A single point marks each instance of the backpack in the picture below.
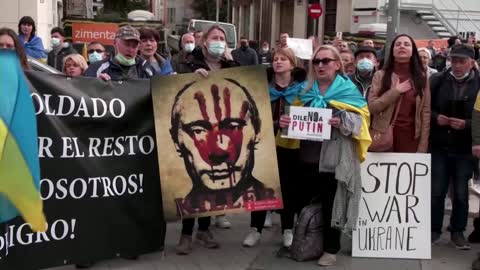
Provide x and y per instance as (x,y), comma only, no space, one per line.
(307,241)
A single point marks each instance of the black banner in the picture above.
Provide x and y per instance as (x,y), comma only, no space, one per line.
(99,175)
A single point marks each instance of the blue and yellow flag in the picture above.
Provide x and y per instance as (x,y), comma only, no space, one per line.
(343,95)
(19,164)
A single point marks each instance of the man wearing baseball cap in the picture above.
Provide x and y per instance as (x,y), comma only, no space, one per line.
(125,64)
(365,66)
(453,95)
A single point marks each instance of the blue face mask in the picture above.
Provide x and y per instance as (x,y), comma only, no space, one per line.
(95,57)
(216,48)
(365,65)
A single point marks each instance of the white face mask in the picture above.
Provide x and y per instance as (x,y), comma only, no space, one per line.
(265,49)
(462,77)
(216,48)
(189,47)
(55,42)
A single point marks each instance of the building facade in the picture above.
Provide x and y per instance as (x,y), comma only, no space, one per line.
(46,14)
(266,19)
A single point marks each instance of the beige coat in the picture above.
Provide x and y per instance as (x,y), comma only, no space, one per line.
(382,107)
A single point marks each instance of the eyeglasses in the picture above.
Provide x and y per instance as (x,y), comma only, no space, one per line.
(324,61)
(97,51)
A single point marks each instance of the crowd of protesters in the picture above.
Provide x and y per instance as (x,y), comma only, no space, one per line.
(425,95)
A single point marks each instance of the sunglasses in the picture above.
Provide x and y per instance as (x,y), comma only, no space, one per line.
(324,61)
(97,51)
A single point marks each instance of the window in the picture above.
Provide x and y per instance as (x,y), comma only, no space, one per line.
(171,15)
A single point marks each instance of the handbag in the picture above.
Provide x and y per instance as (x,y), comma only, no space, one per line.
(383,141)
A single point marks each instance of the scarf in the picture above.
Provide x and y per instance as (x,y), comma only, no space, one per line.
(343,95)
(34,47)
(341,90)
(288,94)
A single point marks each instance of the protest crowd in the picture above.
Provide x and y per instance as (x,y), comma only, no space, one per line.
(418,100)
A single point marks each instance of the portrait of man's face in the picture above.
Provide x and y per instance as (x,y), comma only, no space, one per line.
(215,128)
(215,143)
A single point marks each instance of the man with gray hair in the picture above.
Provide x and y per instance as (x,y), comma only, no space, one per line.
(125,64)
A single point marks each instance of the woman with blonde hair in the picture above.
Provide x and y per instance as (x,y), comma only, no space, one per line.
(331,168)
(74,65)
(285,82)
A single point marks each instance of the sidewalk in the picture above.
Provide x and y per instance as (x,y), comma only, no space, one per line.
(232,256)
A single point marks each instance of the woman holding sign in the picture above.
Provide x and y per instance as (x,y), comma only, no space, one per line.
(332,168)
(400,101)
(210,56)
(285,84)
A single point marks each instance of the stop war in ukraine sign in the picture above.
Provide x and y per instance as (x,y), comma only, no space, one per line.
(394,218)
(308,124)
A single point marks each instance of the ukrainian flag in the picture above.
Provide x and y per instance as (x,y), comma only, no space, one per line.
(19,164)
(343,95)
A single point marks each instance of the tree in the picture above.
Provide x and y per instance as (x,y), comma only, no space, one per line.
(118,9)
(207,9)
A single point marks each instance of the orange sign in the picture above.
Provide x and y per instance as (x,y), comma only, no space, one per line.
(88,32)
(439,43)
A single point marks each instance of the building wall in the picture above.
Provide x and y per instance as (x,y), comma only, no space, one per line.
(300,18)
(177,13)
(43,12)
(459,18)
(418,29)
(344,15)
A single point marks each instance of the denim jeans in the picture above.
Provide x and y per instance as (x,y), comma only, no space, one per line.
(459,169)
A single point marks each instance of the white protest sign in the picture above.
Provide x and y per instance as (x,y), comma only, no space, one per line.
(303,48)
(394,219)
(308,124)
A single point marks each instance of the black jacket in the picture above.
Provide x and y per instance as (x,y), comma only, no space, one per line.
(456,100)
(196,60)
(56,60)
(363,86)
(265,58)
(141,70)
(245,56)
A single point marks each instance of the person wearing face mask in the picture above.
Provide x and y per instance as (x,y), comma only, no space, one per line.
(454,93)
(60,49)
(187,45)
(125,64)
(265,55)
(96,52)
(209,56)
(366,65)
(245,55)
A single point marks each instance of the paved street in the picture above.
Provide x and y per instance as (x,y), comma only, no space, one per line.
(233,256)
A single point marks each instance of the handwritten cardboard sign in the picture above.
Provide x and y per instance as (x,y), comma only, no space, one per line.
(394,219)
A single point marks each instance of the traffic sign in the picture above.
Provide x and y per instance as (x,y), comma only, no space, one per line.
(315,11)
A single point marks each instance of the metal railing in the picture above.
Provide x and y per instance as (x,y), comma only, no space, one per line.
(459,12)
(434,10)
(444,14)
